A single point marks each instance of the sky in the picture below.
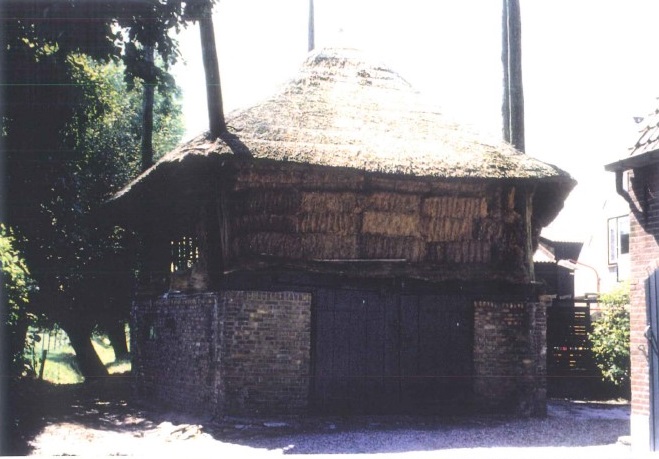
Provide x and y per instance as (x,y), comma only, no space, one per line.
(588,69)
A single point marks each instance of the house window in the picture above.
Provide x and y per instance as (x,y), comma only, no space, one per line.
(184,253)
(618,234)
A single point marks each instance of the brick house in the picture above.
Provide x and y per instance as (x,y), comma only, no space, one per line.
(637,181)
(345,248)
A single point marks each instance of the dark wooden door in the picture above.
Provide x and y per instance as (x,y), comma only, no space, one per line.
(652,335)
(390,353)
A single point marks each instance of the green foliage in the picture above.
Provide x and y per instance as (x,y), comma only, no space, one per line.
(71,129)
(15,275)
(83,264)
(90,261)
(16,285)
(610,337)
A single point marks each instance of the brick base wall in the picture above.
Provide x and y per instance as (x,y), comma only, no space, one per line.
(249,353)
(266,352)
(174,356)
(230,352)
(510,351)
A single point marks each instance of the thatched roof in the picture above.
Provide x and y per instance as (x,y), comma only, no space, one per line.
(344,110)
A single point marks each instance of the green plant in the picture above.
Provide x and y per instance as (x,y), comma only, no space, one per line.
(17,285)
(610,337)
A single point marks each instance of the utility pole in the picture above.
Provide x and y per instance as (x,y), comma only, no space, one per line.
(312,29)
(217,124)
(513,91)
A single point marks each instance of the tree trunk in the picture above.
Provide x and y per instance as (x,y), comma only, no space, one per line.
(89,363)
(147,112)
(513,92)
(117,334)
(217,125)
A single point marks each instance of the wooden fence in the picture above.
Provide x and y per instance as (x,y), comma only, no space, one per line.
(571,371)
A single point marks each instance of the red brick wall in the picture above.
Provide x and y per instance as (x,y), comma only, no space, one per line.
(644,254)
(230,352)
(173,353)
(510,351)
(266,352)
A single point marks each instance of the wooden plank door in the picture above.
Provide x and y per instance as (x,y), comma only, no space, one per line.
(390,353)
(436,352)
(652,334)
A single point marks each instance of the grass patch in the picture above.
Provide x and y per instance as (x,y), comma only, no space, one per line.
(61,366)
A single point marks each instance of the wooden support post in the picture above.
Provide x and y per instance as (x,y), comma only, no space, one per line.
(528,230)
(217,124)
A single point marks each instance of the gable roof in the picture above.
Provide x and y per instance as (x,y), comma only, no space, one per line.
(646,148)
(345,110)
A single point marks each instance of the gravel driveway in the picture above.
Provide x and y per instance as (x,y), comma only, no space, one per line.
(99,422)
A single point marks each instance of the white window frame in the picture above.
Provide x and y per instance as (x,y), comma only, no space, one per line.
(617,228)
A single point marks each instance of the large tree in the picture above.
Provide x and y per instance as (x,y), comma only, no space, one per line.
(60,158)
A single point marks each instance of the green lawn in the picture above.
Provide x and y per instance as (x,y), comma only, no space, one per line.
(60,366)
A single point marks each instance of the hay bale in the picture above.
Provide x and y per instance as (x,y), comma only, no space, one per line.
(391,224)
(453,206)
(327,178)
(447,229)
(328,222)
(381,247)
(328,246)
(270,202)
(392,202)
(320,201)
(297,247)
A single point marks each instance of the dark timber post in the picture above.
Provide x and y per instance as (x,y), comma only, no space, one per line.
(312,31)
(147,110)
(513,92)
(652,304)
(217,125)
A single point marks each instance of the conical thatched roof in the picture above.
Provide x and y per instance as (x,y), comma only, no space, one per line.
(346,111)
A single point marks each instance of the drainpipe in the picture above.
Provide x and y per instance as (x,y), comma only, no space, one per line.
(574,265)
(620,189)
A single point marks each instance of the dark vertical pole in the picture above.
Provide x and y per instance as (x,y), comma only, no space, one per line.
(513,92)
(217,124)
(505,105)
(312,30)
(652,304)
(147,111)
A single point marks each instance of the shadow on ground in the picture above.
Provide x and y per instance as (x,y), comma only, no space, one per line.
(108,405)
(104,404)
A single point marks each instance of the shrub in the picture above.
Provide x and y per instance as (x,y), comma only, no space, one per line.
(610,337)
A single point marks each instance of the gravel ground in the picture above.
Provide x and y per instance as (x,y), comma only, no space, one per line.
(84,423)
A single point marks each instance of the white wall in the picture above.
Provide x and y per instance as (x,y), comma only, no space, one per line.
(595,250)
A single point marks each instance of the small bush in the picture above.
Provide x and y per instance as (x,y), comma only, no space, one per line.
(610,337)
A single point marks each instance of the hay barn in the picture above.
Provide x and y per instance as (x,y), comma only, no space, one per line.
(344,248)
